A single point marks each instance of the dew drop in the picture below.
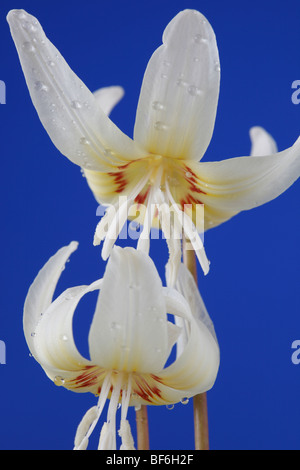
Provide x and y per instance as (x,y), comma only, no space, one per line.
(76,105)
(28,47)
(40,86)
(69,296)
(29,27)
(84,141)
(59,381)
(188,174)
(160,126)
(170,407)
(164,76)
(108,152)
(115,326)
(182,83)
(158,106)
(197,38)
(196,59)
(33,334)
(194,90)
(51,63)
(64,338)
(184,400)
(20,14)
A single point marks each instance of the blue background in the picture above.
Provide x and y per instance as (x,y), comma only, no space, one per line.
(252,290)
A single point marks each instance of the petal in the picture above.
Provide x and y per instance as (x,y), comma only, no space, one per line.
(108,97)
(129,331)
(238,184)
(195,370)
(41,292)
(68,110)
(179,96)
(188,288)
(53,336)
(48,328)
(262,142)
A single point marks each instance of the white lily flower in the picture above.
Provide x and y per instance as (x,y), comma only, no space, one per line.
(160,169)
(130,340)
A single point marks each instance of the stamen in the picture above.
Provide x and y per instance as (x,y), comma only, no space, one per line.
(172,233)
(100,232)
(190,231)
(82,445)
(144,239)
(126,436)
(108,439)
(84,426)
(120,218)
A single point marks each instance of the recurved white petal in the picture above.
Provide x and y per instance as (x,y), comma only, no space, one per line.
(187,286)
(108,97)
(53,340)
(41,292)
(196,369)
(129,331)
(66,107)
(179,95)
(262,143)
(243,183)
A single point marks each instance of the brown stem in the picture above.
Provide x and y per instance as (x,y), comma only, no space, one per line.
(199,401)
(141,417)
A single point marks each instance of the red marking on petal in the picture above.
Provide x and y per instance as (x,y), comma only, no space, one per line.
(196,189)
(141,198)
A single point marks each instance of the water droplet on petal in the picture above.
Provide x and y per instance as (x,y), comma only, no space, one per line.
(59,381)
(69,296)
(51,63)
(29,27)
(170,407)
(76,104)
(115,326)
(28,47)
(184,401)
(33,334)
(188,174)
(84,141)
(158,106)
(197,38)
(40,86)
(182,83)
(160,126)
(164,76)
(64,338)
(20,14)
(194,90)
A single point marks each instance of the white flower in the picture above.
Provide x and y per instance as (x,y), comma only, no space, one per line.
(160,169)
(130,340)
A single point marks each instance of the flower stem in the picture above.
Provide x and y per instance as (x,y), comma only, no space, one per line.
(141,417)
(199,401)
